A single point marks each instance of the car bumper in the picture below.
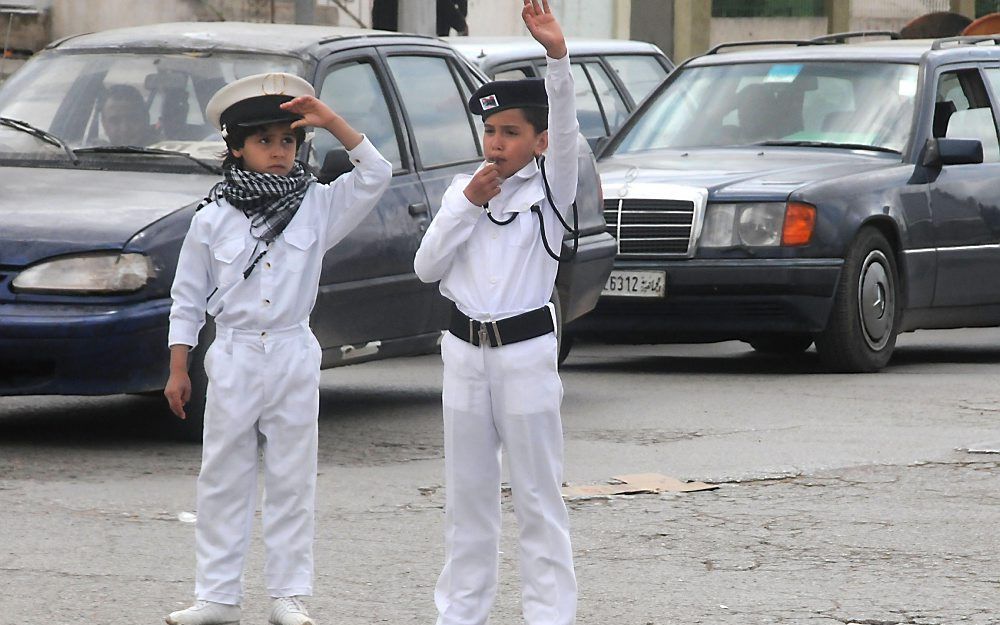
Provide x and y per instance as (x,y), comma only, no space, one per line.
(582,278)
(715,300)
(83,350)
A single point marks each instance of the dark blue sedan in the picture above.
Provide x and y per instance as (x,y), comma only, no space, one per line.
(105,152)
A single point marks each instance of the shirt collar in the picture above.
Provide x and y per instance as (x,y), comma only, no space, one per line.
(528,170)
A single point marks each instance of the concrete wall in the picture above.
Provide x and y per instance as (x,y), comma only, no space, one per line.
(742,28)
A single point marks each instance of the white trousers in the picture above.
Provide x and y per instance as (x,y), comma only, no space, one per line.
(263,399)
(504,398)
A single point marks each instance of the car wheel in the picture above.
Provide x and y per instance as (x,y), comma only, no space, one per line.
(191,428)
(861,333)
(564,341)
(781,343)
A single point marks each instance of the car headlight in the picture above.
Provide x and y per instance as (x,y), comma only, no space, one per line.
(92,273)
(763,224)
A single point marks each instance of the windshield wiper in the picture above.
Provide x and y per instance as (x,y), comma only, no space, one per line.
(135,149)
(38,133)
(830,144)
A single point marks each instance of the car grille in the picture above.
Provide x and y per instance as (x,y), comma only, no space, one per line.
(650,228)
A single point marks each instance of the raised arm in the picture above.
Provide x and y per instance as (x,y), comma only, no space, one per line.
(561,164)
(354,195)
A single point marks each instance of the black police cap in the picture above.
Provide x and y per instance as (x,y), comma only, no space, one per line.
(501,95)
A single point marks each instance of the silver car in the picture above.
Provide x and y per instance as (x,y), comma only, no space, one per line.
(613,76)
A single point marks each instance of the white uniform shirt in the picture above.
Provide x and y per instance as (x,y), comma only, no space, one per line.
(281,290)
(492,271)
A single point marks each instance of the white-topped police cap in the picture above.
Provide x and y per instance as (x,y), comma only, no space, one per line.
(255,100)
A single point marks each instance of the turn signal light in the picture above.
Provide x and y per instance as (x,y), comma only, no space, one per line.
(800,220)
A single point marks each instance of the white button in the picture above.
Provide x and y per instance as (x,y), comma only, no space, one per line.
(267,301)
(493,280)
(267,265)
(263,334)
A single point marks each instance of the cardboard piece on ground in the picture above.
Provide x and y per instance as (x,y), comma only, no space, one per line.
(634,484)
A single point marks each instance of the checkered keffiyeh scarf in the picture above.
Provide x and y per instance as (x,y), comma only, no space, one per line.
(269,200)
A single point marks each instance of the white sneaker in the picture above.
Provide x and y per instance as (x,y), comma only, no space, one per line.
(289,611)
(206,613)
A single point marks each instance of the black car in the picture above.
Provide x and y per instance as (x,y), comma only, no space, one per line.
(836,193)
(96,195)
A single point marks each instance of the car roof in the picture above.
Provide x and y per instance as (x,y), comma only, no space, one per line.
(496,50)
(290,39)
(889,50)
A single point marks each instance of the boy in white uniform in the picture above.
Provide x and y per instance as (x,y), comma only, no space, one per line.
(252,259)
(501,384)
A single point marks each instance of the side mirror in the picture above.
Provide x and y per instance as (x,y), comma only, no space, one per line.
(335,164)
(599,144)
(944,151)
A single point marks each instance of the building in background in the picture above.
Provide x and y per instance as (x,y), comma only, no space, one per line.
(681,28)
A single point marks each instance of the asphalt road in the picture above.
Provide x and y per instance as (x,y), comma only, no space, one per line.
(841,499)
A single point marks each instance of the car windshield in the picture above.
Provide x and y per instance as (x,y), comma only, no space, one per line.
(845,104)
(103,100)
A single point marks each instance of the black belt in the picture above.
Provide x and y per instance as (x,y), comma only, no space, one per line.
(529,325)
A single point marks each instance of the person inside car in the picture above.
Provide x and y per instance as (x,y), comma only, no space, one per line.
(125,119)
(490,247)
(252,259)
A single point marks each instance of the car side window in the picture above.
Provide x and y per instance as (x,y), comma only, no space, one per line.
(353,91)
(588,111)
(515,73)
(641,74)
(962,111)
(614,106)
(440,121)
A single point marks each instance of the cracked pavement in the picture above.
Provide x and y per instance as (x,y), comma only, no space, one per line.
(842,499)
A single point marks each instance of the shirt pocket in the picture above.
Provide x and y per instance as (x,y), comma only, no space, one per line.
(300,248)
(525,230)
(227,254)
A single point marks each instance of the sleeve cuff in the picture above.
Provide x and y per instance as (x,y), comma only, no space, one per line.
(562,63)
(461,206)
(182,333)
(364,152)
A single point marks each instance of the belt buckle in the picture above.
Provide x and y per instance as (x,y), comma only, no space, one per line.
(496,333)
(484,336)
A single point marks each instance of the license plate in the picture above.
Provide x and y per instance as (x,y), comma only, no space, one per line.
(636,284)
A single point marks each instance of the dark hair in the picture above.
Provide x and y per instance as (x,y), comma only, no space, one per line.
(238,135)
(537,116)
(125,93)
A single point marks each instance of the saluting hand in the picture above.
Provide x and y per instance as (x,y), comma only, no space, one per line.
(484,186)
(544,28)
(314,112)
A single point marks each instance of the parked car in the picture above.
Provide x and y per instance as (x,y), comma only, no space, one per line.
(612,75)
(815,192)
(95,196)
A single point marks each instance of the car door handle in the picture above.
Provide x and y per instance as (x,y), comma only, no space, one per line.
(420,208)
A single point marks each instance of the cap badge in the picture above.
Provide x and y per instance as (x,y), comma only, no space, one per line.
(489,102)
(273,84)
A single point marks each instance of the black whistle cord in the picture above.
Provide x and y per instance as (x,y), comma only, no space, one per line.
(541,222)
(575,230)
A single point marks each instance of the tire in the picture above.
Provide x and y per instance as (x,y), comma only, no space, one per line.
(564,341)
(781,343)
(191,429)
(861,333)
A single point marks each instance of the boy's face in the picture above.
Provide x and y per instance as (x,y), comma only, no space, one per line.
(270,150)
(510,141)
